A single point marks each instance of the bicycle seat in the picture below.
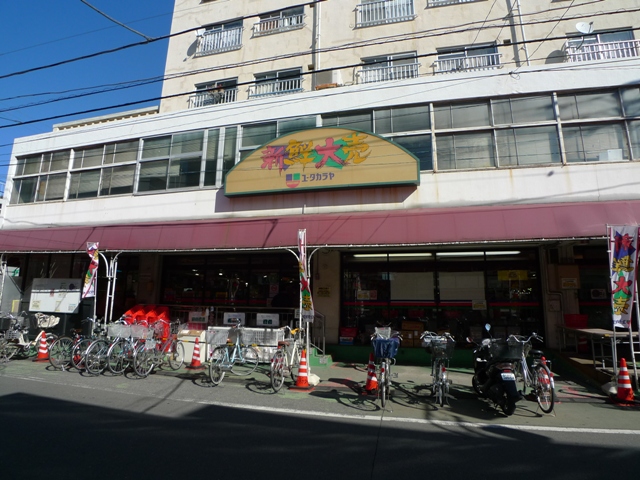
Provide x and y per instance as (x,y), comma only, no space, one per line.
(536,353)
(284,343)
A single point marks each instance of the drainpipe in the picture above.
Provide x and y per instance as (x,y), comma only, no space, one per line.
(524,38)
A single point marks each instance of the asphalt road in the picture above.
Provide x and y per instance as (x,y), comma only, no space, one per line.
(67,425)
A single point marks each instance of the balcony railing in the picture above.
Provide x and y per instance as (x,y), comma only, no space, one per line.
(275,87)
(217,41)
(388,73)
(478,62)
(206,98)
(437,3)
(384,11)
(277,25)
(601,51)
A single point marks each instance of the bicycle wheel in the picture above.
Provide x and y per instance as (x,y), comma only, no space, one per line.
(175,355)
(218,357)
(4,351)
(78,353)
(294,366)
(116,357)
(60,353)
(543,388)
(143,360)
(95,360)
(442,384)
(277,370)
(246,363)
(382,382)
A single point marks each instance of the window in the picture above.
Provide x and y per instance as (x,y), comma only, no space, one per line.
(84,184)
(253,136)
(463,115)
(589,105)
(465,150)
(380,12)
(419,146)
(280,21)
(220,38)
(388,67)
(402,119)
(353,120)
(481,57)
(223,91)
(602,46)
(182,167)
(51,187)
(118,180)
(508,111)
(528,146)
(595,142)
(277,83)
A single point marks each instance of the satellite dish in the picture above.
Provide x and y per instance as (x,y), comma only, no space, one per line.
(584,27)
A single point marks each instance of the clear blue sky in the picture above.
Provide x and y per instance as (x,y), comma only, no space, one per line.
(36,33)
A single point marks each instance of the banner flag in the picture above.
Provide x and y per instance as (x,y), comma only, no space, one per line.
(623,260)
(307,313)
(89,288)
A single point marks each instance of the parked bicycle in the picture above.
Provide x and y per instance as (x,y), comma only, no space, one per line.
(535,375)
(441,348)
(80,348)
(126,339)
(61,350)
(16,338)
(234,357)
(154,352)
(385,347)
(286,359)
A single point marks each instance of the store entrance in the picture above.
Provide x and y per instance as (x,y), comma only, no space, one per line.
(456,292)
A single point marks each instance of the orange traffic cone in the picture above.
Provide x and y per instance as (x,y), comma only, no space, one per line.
(625,392)
(43,350)
(372,381)
(195,359)
(302,381)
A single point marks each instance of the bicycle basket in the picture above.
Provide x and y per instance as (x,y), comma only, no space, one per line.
(507,350)
(385,347)
(383,332)
(442,346)
(12,334)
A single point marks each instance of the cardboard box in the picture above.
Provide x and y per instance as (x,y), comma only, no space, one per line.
(412,325)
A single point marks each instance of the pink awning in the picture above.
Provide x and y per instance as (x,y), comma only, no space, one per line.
(409,227)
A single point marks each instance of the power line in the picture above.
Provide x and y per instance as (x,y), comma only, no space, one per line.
(116,21)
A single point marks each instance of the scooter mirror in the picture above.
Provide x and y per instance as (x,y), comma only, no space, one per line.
(487,326)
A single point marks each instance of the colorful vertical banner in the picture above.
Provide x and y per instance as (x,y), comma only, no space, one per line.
(623,260)
(306,303)
(89,288)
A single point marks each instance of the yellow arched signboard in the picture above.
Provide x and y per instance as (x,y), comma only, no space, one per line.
(323,158)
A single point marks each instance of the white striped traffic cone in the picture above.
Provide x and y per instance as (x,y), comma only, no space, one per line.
(302,382)
(625,392)
(372,380)
(43,350)
(195,359)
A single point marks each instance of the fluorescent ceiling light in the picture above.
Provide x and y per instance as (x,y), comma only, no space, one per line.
(393,255)
(475,254)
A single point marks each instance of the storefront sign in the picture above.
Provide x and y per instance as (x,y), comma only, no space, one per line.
(323,158)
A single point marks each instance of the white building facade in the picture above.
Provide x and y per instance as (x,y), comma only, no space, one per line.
(522,120)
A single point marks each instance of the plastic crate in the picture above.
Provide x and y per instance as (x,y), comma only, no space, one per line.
(385,347)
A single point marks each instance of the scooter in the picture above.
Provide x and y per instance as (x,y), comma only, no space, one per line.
(494,365)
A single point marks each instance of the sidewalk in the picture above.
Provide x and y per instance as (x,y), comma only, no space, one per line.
(345,377)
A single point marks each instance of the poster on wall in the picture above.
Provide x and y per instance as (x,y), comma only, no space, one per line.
(56,295)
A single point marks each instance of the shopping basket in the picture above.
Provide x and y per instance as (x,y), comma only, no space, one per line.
(385,347)
(442,346)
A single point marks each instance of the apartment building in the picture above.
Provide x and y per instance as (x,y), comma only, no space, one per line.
(453,162)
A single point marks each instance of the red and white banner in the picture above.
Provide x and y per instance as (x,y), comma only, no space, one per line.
(623,261)
(307,313)
(89,288)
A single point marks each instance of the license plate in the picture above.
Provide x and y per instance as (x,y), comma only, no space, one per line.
(508,376)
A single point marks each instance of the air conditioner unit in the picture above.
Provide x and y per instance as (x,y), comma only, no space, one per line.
(611,155)
(326,78)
